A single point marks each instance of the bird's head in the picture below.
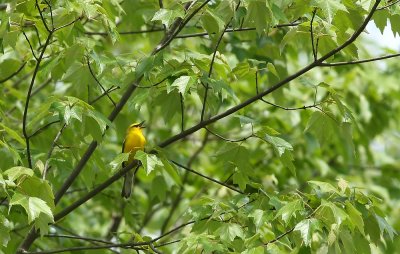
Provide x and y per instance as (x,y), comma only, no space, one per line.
(137,125)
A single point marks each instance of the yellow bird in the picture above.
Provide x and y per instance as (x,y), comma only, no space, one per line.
(134,141)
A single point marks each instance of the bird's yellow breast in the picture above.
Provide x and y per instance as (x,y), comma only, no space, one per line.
(134,141)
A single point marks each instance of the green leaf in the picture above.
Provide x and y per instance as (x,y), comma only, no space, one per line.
(229,231)
(329,213)
(256,250)
(280,145)
(361,244)
(171,170)
(5,227)
(169,104)
(145,65)
(13,134)
(10,38)
(355,217)
(322,127)
(101,120)
(36,187)
(211,22)
(241,179)
(183,83)
(118,160)
(272,69)
(348,241)
(384,226)
(15,173)
(159,188)
(241,69)
(244,120)
(329,7)
(323,186)
(381,18)
(306,229)
(287,160)
(149,161)
(259,14)
(289,210)
(257,216)
(168,16)
(33,206)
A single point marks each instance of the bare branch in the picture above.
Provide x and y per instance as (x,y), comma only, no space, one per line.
(207,177)
(274,87)
(203,109)
(388,5)
(41,16)
(68,24)
(44,127)
(128,32)
(30,45)
(98,82)
(182,112)
(108,91)
(28,97)
(314,49)
(53,145)
(359,61)
(234,30)
(178,198)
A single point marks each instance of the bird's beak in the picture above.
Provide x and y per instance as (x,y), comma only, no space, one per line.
(141,125)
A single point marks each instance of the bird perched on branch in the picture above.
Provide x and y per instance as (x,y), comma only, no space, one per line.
(134,141)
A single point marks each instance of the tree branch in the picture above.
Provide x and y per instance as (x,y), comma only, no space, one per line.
(233,30)
(359,61)
(98,82)
(28,97)
(13,74)
(207,177)
(212,64)
(53,145)
(281,83)
(314,49)
(178,198)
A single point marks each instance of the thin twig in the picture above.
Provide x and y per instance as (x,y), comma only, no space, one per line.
(207,177)
(314,49)
(42,18)
(28,97)
(227,139)
(178,198)
(53,145)
(127,32)
(388,5)
(109,90)
(44,127)
(68,24)
(203,109)
(51,14)
(154,249)
(359,61)
(37,90)
(77,237)
(14,73)
(281,83)
(176,28)
(98,82)
(233,30)
(182,112)
(30,45)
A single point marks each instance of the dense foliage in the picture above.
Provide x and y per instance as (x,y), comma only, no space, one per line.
(272,126)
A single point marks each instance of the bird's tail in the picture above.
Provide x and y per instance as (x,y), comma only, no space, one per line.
(129,180)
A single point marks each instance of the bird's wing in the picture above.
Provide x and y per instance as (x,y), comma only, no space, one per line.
(123,148)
